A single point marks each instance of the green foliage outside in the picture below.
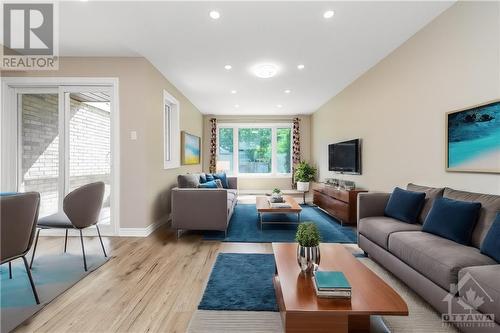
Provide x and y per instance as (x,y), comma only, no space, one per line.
(308,234)
(304,172)
(255,146)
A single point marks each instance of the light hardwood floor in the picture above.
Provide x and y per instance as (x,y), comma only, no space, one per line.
(151,284)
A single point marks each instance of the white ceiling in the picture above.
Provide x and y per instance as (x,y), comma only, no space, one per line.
(191,49)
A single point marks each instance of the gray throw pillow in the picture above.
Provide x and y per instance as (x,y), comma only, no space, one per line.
(188,181)
(219,183)
(431,193)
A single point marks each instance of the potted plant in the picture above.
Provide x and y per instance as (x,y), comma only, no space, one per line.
(276,195)
(308,253)
(304,174)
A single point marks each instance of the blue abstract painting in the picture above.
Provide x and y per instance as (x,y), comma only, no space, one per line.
(474,139)
(190,149)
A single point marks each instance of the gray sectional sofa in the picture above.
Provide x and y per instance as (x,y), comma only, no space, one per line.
(439,270)
(196,208)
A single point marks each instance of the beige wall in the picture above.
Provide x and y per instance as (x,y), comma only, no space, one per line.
(398,107)
(144,184)
(260,183)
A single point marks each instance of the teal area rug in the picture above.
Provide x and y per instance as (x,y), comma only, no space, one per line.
(245,227)
(241,282)
(53,274)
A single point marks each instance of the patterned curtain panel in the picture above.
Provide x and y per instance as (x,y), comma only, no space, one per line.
(295,147)
(213,145)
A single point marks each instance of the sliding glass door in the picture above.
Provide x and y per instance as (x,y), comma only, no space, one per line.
(64,141)
(39,146)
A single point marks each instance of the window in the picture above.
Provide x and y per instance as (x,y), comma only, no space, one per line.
(283,150)
(254,149)
(171,132)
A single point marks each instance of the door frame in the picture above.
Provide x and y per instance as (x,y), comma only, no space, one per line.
(9,129)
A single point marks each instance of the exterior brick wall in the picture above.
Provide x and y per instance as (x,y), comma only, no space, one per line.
(89,147)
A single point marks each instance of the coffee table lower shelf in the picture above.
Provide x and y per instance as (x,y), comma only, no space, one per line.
(318,322)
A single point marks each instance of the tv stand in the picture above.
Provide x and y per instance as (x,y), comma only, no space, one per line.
(339,203)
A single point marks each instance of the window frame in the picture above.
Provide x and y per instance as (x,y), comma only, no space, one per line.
(273,126)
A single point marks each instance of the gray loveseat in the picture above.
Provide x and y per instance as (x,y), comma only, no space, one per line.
(439,270)
(196,208)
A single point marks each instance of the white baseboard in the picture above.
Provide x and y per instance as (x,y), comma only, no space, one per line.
(142,232)
(123,232)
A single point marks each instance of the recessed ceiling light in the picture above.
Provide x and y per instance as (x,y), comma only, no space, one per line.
(214,14)
(228,67)
(288,91)
(236,105)
(328,14)
(233,92)
(265,71)
(279,106)
(301,66)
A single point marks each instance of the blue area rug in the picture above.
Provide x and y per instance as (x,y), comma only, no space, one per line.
(53,274)
(245,227)
(241,282)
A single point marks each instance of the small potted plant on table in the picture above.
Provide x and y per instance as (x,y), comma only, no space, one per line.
(277,195)
(308,253)
(304,174)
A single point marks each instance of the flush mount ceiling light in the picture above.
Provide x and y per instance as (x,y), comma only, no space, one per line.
(234,92)
(228,67)
(301,66)
(236,105)
(265,71)
(287,91)
(279,106)
(214,14)
(328,14)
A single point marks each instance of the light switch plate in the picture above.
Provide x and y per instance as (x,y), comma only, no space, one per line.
(133,135)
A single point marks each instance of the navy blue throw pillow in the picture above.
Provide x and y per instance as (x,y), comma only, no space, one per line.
(405,205)
(209,184)
(491,243)
(452,219)
(223,178)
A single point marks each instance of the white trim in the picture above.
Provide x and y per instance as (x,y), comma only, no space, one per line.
(8,165)
(142,232)
(174,134)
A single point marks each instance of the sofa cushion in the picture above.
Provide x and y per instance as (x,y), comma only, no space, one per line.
(438,259)
(491,243)
(404,205)
(223,178)
(232,195)
(210,184)
(188,181)
(490,205)
(485,284)
(431,193)
(452,219)
(378,228)
(203,177)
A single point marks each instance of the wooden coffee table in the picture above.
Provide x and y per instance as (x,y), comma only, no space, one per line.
(302,311)
(264,207)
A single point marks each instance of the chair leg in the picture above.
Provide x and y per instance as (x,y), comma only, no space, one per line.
(100,239)
(34,248)
(83,251)
(10,270)
(31,280)
(65,240)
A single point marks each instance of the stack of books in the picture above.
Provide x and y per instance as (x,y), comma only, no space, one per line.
(331,285)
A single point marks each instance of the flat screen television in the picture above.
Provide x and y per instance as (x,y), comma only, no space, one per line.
(345,157)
